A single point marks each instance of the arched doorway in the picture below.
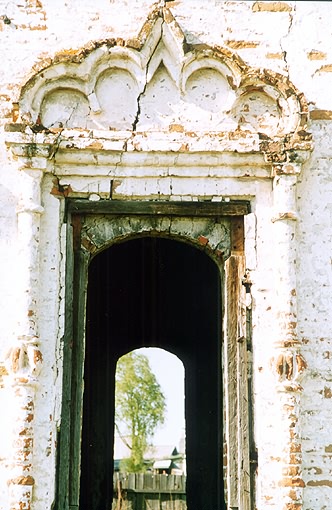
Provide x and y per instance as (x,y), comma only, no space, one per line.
(153,291)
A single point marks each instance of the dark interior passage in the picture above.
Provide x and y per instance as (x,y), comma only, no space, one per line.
(154,292)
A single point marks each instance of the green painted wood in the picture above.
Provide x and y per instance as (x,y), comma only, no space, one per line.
(62,497)
(70,432)
(231,208)
(81,261)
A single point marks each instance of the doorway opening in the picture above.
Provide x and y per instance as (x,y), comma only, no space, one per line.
(154,292)
(149,407)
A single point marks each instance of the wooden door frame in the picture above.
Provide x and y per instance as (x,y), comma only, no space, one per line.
(234,350)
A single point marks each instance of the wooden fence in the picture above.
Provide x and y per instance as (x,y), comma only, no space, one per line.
(136,491)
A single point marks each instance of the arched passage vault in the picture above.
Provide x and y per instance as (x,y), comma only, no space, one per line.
(156,127)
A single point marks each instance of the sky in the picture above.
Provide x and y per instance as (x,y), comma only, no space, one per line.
(169,372)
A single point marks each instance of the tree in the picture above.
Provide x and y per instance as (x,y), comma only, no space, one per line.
(139,405)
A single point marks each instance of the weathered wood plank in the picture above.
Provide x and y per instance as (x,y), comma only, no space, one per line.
(238,465)
(154,491)
(151,502)
(149,483)
(231,396)
(140,481)
(62,500)
(78,348)
(242,370)
(157,483)
(131,481)
(237,236)
(149,498)
(163,484)
(231,208)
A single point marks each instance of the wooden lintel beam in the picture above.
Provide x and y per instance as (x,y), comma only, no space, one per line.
(137,207)
(157,491)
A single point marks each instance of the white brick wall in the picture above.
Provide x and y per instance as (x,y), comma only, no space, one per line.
(294,39)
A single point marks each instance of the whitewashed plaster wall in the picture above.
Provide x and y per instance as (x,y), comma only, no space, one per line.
(293,38)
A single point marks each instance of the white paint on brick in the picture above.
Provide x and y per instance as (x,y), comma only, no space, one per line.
(29,42)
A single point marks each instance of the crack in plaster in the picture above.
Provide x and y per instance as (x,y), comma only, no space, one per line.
(290,26)
(118,163)
(57,141)
(139,97)
(64,125)
(141,94)
(60,315)
(55,147)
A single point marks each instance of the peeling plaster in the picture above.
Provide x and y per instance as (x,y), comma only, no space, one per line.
(188,164)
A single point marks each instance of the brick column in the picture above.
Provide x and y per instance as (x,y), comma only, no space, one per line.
(24,358)
(288,362)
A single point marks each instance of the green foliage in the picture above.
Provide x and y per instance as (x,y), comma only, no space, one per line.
(139,406)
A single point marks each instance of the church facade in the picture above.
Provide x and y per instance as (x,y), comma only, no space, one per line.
(166,181)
